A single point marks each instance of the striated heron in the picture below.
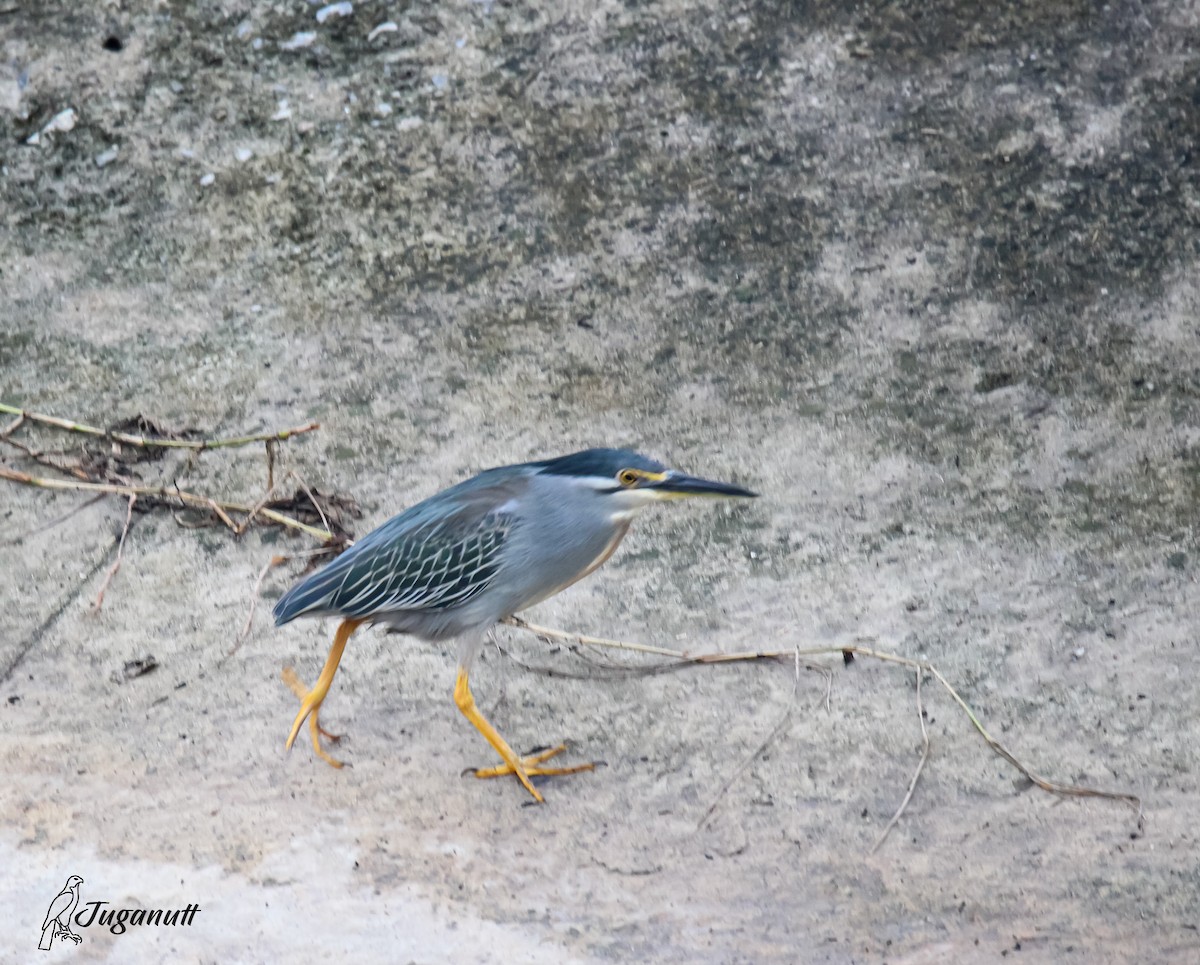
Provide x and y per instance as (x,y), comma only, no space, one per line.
(473,555)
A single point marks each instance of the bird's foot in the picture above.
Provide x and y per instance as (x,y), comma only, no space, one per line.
(310,707)
(531,766)
(62,932)
(522,767)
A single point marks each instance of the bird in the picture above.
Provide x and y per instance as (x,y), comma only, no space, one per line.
(473,555)
(58,917)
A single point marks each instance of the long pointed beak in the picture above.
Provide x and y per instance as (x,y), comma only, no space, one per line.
(678,485)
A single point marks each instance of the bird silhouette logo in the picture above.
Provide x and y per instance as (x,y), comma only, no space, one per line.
(58,917)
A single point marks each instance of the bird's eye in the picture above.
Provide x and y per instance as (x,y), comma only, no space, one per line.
(627,477)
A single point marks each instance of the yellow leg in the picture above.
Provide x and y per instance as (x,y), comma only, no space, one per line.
(521,767)
(297,687)
(310,701)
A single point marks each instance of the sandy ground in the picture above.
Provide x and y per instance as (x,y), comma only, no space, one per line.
(922,274)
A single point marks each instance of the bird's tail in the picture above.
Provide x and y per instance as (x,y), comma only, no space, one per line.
(47,937)
(312,593)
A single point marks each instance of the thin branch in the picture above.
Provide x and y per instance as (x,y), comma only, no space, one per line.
(1051,787)
(154,442)
(311,498)
(218,512)
(248,519)
(12,426)
(597,671)
(167,494)
(579,638)
(262,575)
(254,593)
(775,732)
(277,517)
(112,570)
(912,785)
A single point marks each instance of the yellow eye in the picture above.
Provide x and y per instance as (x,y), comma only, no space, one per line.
(627,477)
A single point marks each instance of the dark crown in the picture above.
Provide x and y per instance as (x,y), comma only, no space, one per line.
(596,462)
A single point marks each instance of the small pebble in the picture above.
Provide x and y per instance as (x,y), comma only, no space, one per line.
(63,121)
(409,123)
(207,179)
(282,110)
(105,158)
(386,27)
(243,154)
(299,40)
(342,9)
(1078,653)
(383,108)
(440,81)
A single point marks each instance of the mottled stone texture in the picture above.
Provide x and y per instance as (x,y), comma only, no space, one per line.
(924,274)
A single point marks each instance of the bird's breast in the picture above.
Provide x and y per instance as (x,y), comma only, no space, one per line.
(571,574)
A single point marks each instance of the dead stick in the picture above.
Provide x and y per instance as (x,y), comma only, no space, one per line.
(521,624)
(262,575)
(775,732)
(277,517)
(912,785)
(1052,787)
(12,427)
(248,519)
(219,513)
(112,570)
(165,493)
(152,442)
(311,498)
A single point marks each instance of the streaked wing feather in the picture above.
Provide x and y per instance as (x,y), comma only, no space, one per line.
(445,567)
(439,553)
(430,558)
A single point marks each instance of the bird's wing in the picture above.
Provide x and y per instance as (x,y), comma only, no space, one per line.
(439,565)
(61,903)
(429,558)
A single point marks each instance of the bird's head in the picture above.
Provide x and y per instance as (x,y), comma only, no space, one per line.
(632,481)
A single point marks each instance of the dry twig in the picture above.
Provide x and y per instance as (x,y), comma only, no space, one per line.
(912,785)
(12,426)
(1052,787)
(168,496)
(311,498)
(112,570)
(775,732)
(262,575)
(274,561)
(164,442)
